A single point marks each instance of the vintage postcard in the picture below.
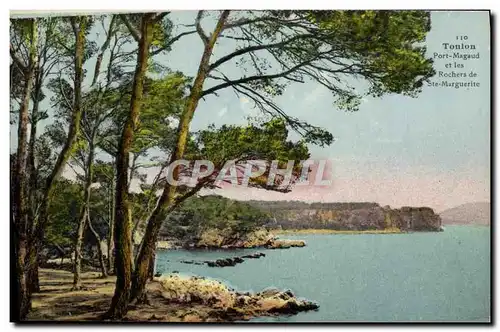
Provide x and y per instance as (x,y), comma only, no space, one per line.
(215,166)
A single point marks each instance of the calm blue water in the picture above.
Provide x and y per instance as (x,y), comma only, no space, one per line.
(368,277)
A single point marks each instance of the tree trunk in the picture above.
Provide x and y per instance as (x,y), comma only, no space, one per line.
(22,295)
(19,204)
(102,263)
(32,190)
(79,28)
(123,234)
(32,268)
(148,245)
(152,264)
(78,249)
(82,222)
(111,240)
(33,250)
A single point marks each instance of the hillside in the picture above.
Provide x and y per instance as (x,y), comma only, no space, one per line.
(467,214)
(355,216)
(216,221)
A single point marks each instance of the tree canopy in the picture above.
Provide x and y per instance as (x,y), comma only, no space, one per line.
(117,113)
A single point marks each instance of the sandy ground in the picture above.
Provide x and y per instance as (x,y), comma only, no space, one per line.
(56,300)
(172,298)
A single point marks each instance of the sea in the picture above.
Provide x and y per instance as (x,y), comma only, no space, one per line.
(410,277)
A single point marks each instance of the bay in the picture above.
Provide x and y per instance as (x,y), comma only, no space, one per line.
(438,277)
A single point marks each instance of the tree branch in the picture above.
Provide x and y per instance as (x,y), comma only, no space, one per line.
(199,29)
(133,31)
(255,78)
(172,41)
(255,48)
(103,49)
(18,61)
(69,104)
(160,16)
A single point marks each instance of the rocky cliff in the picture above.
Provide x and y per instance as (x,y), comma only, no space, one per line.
(349,216)
(228,239)
(300,215)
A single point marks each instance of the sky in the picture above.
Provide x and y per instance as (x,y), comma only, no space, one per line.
(433,150)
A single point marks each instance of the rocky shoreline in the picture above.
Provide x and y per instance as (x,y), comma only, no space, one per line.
(218,239)
(227,304)
(172,298)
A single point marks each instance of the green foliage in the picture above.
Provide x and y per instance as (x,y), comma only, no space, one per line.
(385,45)
(63,210)
(104,173)
(65,207)
(265,141)
(162,103)
(330,48)
(203,213)
(350,53)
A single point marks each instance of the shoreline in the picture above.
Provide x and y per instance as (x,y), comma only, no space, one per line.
(271,243)
(172,298)
(339,232)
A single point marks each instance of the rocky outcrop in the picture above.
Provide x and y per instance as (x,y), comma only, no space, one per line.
(166,245)
(257,255)
(349,216)
(415,219)
(227,239)
(285,244)
(260,238)
(223,262)
(227,304)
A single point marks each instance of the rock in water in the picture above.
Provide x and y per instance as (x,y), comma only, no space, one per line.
(285,244)
(257,255)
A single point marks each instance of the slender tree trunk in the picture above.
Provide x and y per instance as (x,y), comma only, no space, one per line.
(82,222)
(78,249)
(22,297)
(151,272)
(33,251)
(148,210)
(79,28)
(32,268)
(20,201)
(111,240)
(123,234)
(102,263)
(148,245)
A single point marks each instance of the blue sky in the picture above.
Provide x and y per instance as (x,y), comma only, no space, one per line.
(431,150)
